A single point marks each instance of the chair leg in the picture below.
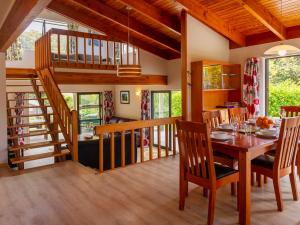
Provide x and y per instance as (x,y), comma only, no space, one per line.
(182,193)
(252,179)
(211,206)
(298,162)
(294,186)
(277,193)
(233,189)
(205,192)
(186,189)
(265,179)
(259,179)
(238,197)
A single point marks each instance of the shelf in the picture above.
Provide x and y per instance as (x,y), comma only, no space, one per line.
(220,89)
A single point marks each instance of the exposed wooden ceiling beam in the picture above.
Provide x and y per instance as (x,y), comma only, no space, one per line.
(94,78)
(264,16)
(155,14)
(93,20)
(268,37)
(197,10)
(20,16)
(134,25)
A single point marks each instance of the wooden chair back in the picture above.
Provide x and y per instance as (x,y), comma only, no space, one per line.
(288,143)
(290,111)
(212,119)
(196,155)
(241,114)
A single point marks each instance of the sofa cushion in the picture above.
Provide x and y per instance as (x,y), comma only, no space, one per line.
(265,161)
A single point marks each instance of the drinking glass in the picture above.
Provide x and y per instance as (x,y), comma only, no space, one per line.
(234,125)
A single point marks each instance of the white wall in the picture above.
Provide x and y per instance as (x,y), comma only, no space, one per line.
(3,118)
(240,55)
(203,43)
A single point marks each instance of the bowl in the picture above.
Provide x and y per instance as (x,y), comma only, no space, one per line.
(268,132)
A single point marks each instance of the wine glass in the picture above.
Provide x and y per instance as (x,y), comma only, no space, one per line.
(282,113)
(234,124)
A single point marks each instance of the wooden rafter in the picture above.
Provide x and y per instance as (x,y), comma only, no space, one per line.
(155,14)
(135,26)
(265,17)
(20,16)
(93,20)
(200,12)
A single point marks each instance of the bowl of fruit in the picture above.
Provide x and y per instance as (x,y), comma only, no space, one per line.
(264,122)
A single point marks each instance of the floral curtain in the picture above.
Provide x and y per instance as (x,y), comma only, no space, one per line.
(109,109)
(19,111)
(145,113)
(251,86)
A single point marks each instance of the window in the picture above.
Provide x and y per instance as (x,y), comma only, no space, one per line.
(164,104)
(70,99)
(282,83)
(89,111)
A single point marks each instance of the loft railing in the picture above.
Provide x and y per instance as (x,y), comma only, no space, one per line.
(67,120)
(64,48)
(164,128)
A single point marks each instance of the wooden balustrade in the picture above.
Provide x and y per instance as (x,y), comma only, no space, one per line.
(138,128)
(64,48)
(67,119)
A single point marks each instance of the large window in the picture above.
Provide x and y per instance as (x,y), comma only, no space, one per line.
(89,111)
(282,83)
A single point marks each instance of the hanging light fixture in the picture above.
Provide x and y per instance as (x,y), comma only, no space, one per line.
(282,49)
(128,70)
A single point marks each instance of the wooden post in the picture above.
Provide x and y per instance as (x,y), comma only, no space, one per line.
(68,49)
(76,49)
(112,150)
(93,57)
(142,144)
(174,138)
(132,147)
(123,148)
(101,152)
(167,139)
(184,98)
(150,143)
(84,48)
(75,135)
(58,47)
(158,142)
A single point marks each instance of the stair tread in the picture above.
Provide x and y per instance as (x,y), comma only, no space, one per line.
(29,115)
(31,134)
(39,156)
(28,124)
(29,107)
(36,145)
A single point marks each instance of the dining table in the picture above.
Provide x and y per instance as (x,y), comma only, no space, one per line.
(244,147)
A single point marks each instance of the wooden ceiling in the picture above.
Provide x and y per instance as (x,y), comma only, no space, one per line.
(155,24)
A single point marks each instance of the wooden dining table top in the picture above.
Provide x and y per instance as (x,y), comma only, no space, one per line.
(243,142)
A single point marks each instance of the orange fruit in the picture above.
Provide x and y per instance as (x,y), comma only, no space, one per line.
(270,121)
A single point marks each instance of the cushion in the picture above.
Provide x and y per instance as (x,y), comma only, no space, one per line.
(265,161)
(221,171)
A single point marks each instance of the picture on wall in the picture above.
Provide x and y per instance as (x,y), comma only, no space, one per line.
(124,97)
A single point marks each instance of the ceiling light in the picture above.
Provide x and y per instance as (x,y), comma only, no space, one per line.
(282,50)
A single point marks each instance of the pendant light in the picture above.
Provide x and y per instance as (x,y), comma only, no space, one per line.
(282,49)
(128,70)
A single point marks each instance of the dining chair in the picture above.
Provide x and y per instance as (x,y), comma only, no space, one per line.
(197,164)
(283,163)
(291,111)
(213,120)
(240,113)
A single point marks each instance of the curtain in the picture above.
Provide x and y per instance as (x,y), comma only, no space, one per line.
(109,109)
(145,114)
(19,111)
(251,86)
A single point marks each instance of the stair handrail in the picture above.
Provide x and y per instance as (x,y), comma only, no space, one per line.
(67,119)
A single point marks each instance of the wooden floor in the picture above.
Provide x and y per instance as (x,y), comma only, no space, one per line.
(68,193)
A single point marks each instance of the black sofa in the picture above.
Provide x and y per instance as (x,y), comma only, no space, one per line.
(88,151)
(116,119)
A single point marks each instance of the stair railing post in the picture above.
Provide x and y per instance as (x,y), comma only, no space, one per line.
(74,135)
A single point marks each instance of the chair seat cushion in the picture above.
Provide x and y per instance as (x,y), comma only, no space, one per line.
(221,171)
(265,161)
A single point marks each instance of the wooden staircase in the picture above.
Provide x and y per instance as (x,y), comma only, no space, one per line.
(33,126)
